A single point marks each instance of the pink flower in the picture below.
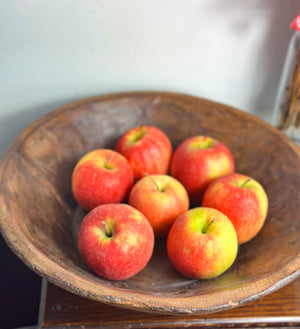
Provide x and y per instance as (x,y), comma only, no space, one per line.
(296,23)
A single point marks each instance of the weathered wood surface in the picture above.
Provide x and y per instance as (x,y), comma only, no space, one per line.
(37,208)
(63,309)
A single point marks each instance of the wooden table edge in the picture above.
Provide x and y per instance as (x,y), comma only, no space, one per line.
(173,322)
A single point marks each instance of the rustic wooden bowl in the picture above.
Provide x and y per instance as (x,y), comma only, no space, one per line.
(39,216)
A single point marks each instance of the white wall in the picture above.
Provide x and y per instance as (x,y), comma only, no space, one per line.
(56,51)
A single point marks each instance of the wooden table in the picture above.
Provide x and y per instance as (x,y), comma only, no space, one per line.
(61,309)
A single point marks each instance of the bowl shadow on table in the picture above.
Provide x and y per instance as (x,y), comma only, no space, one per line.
(20,291)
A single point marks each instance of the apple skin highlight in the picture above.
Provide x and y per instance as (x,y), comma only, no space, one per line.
(243,200)
(202,243)
(121,254)
(147,149)
(101,176)
(197,161)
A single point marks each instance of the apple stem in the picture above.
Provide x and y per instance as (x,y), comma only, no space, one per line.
(246,181)
(141,132)
(206,228)
(108,161)
(153,181)
(142,128)
(108,230)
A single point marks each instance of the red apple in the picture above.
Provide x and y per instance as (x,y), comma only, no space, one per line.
(101,176)
(161,198)
(116,241)
(202,243)
(148,150)
(242,199)
(199,160)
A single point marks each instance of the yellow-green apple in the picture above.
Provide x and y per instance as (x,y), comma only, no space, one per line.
(242,199)
(101,176)
(161,198)
(202,243)
(197,161)
(116,241)
(148,150)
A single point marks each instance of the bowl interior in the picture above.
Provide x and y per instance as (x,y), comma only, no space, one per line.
(39,217)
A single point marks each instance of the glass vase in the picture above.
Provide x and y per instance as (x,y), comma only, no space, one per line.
(286,113)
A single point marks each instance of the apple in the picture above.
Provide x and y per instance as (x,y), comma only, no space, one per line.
(199,160)
(116,241)
(101,176)
(202,243)
(148,150)
(161,198)
(242,199)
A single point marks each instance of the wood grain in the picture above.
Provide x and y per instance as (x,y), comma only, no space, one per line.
(63,309)
(37,209)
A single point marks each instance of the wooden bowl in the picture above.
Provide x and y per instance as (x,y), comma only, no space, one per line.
(39,216)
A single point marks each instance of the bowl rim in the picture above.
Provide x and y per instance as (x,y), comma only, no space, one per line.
(47,268)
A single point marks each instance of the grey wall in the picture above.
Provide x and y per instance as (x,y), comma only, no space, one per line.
(53,52)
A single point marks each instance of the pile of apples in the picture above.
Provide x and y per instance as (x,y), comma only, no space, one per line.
(143,190)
